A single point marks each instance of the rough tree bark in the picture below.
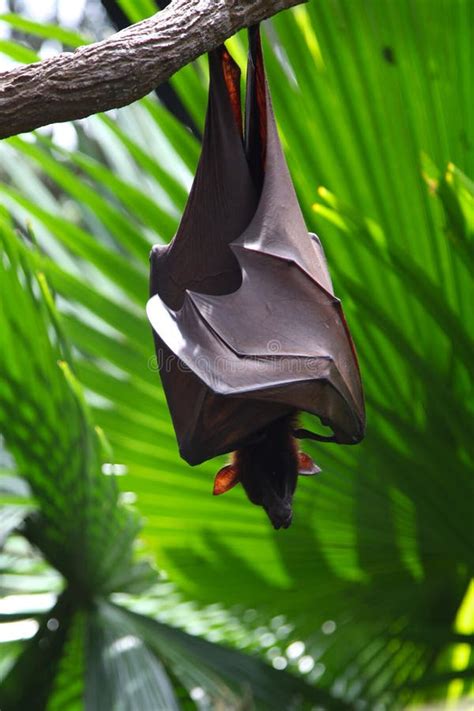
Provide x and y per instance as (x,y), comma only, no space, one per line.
(165,91)
(124,67)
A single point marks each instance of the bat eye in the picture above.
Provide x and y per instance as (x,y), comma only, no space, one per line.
(306,466)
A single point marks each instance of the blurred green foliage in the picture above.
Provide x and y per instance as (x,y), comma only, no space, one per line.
(369,594)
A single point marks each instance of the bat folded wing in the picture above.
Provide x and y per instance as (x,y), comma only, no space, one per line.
(279,338)
(247,328)
(203,351)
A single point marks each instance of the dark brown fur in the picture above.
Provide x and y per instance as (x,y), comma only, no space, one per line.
(268,470)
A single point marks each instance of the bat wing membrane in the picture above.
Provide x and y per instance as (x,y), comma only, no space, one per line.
(255,331)
(298,341)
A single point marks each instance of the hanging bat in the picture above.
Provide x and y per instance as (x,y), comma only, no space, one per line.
(247,329)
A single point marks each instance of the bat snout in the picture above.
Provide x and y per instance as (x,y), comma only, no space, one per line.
(279,512)
(281,521)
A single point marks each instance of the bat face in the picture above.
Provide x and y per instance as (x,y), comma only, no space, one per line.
(268,471)
(268,468)
(247,328)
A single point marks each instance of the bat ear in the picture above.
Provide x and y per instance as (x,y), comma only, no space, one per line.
(226,478)
(306,466)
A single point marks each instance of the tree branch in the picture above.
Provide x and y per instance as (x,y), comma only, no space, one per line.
(124,67)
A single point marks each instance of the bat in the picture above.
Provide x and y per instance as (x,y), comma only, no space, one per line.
(247,330)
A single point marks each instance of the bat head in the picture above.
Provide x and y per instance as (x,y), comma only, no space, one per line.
(268,469)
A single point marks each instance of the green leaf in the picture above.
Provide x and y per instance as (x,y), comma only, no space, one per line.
(43,29)
(18,52)
(456,193)
(137,10)
(62,468)
(224,676)
(121,671)
(39,662)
